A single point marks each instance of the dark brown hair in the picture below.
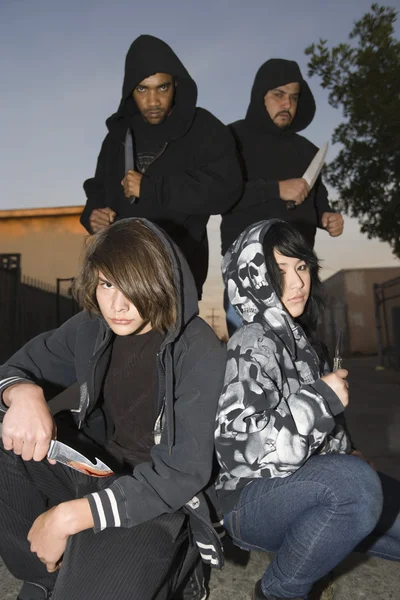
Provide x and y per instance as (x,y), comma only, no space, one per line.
(134,259)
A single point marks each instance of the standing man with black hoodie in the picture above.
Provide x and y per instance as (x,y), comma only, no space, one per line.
(274,157)
(185,167)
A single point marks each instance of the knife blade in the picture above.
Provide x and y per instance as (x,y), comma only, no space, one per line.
(75,460)
(129,158)
(313,170)
(337,360)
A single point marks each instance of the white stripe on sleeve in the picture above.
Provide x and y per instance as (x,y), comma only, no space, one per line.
(114,507)
(100,510)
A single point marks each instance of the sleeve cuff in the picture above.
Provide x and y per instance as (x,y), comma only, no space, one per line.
(105,510)
(332,400)
(6,383)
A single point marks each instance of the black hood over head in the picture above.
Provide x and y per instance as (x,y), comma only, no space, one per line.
(272,74)
(149,55)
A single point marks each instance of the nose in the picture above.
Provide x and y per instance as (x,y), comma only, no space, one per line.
(296,282)
(287,102)
(153,98)
(119,303)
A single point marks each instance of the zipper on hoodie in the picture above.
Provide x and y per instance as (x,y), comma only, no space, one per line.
(158,428)
(91,376)
(161,383)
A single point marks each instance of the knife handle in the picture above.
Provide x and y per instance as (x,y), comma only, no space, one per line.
(337,363)
(290,205)
(50,450)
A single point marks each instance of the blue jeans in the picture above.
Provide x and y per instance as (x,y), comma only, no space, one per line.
(314,518)
(233,320)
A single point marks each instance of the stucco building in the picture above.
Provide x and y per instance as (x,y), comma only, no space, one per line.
(350,308)
(48,239)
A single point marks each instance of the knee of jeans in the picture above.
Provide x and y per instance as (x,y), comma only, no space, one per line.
(363,494)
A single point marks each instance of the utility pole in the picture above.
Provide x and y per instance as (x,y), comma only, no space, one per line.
(213,318)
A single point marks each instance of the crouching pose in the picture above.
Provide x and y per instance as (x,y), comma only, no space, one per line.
(290,482)
(149,373)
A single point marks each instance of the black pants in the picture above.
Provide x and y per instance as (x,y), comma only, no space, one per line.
(146,562)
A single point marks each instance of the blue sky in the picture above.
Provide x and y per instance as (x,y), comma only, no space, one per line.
(61,74)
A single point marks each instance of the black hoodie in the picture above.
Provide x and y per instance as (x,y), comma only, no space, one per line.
(270,154)
(196,174)
(190,364)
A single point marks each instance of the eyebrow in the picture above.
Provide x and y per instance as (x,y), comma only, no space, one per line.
(104,280)
(165,84)
(285,264)
(283,92)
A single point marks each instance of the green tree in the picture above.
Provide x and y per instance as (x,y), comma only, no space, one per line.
(363,78)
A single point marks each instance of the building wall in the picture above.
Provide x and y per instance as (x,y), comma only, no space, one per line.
(354,288)
(334,316)
(360,302)
(49,240)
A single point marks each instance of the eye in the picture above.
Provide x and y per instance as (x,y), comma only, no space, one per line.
(302,267)
(140,89)
(106,285)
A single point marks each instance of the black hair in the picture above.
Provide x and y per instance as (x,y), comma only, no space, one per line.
(288,241)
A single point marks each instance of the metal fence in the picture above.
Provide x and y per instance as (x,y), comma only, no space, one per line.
(27,307)
(387,318)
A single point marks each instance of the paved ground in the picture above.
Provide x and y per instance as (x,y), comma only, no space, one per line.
(374,420)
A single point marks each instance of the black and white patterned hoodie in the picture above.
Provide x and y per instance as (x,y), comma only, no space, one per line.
(275,411)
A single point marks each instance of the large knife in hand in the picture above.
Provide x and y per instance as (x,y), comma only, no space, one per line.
(312,172)
(75,460)
(129,158)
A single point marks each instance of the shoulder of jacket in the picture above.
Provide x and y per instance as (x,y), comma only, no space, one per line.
(238,126)
(200,337)
(84,323)
(204,118)
(300,139)
(205,115)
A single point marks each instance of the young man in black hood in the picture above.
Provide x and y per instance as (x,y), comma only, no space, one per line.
(133,366)
(185,167)
(274,157)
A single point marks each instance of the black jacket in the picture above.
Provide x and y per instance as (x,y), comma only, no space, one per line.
(270,154)
(191,364)
(197,173)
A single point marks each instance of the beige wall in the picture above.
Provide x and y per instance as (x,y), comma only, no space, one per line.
(361,310)
(49,244)
(334,287)
(354,288)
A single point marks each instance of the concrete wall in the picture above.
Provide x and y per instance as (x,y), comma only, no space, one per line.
(334,317)
(354,287)
(361,310)
(49,240)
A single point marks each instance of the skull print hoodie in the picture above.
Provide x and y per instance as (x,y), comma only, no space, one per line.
(275,411)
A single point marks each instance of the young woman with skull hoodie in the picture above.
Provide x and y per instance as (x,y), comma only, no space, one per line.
(289,483)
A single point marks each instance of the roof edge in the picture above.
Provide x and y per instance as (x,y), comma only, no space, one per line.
(50,211)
